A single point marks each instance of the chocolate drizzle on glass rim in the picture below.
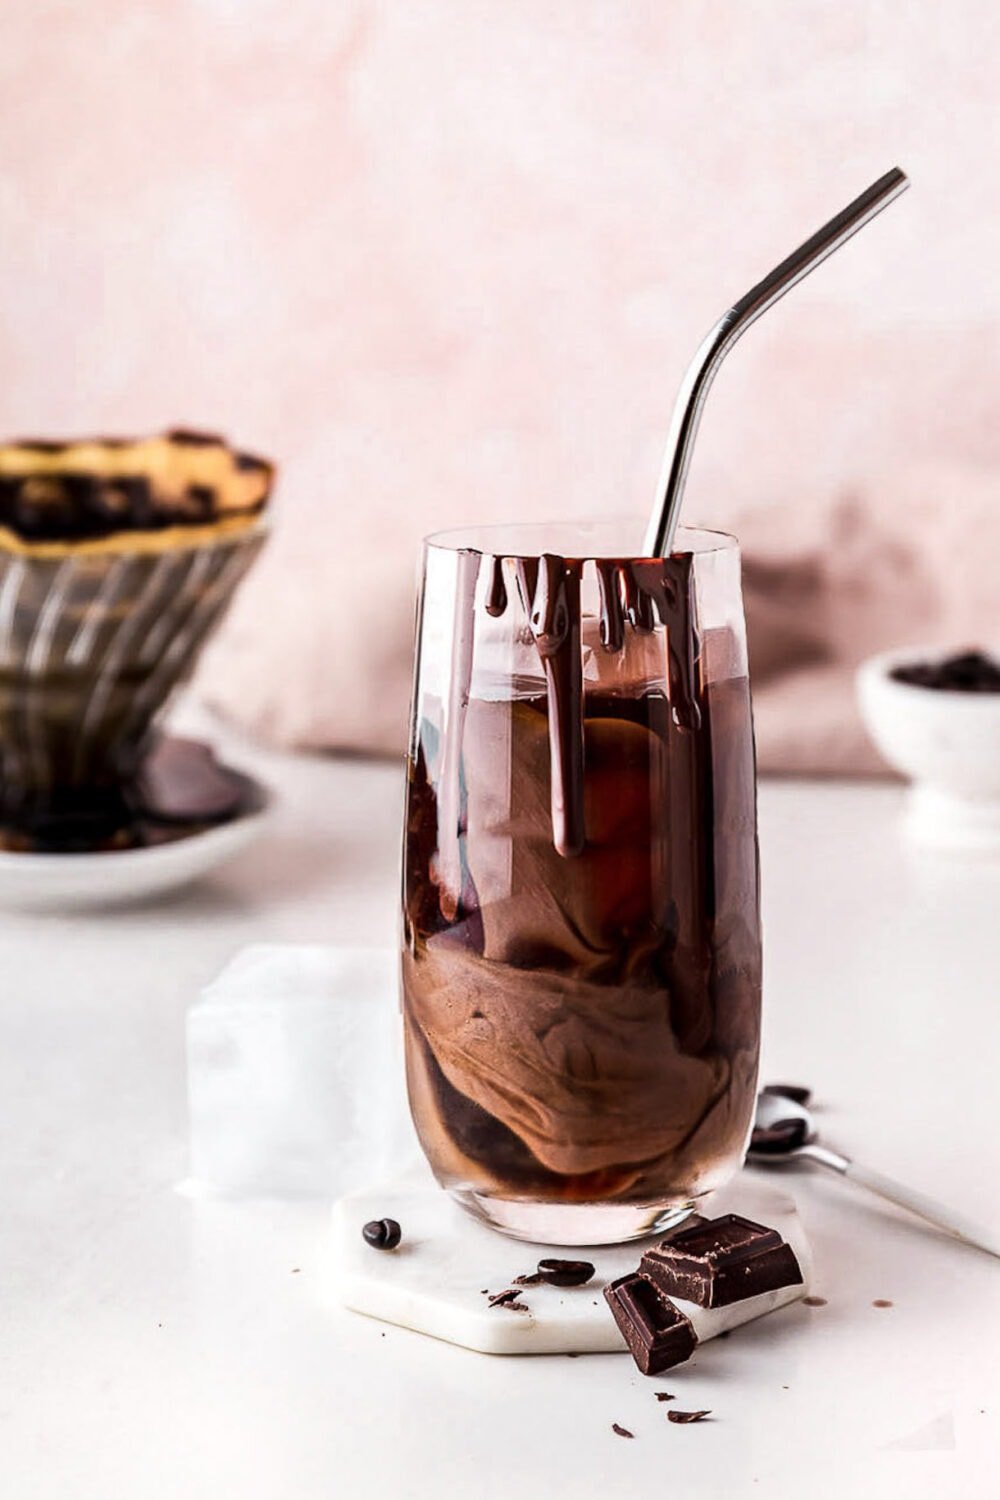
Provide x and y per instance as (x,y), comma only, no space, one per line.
(635,594)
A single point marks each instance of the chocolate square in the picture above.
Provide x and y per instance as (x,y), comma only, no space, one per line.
(657,1332)
(719,1261)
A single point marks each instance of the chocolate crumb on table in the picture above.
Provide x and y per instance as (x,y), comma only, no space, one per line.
(665,1395)
(881,1302)
(621,1431)
(687,1416)
(508,1299)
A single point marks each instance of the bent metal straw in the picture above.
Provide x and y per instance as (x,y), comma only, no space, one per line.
(713,350)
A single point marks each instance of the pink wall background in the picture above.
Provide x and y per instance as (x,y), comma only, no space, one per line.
(450,259)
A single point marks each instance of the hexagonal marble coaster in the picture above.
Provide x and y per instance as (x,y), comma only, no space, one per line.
(438,1280)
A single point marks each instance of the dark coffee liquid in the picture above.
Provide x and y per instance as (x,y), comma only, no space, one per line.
(582,1014)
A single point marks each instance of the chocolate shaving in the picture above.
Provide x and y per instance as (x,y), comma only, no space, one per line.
(621,1431)
(531,1279)
(687,1416)
(665,1396)
(508,1299)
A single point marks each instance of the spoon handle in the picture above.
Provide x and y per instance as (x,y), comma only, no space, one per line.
(929,1209)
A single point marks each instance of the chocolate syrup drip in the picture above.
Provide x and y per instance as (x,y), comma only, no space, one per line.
(637,592)
(612,613)
(555,625)
(668,586)
(496,590)
(526,572)
(638,605)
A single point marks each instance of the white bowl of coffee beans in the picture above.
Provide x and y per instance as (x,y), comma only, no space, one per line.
(935,717)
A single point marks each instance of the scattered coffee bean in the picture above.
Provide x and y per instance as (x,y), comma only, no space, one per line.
(797,1092)
(621,1431)
(382,1234)
(565,1272)
(687,1416)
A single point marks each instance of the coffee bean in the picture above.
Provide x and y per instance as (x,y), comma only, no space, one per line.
(565,1272)
(382,1234)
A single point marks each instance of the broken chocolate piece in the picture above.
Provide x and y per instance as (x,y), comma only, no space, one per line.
(565,1272)
(621,1431)
(657,1332)
(721,1261)
(664,1395)
(687,1416)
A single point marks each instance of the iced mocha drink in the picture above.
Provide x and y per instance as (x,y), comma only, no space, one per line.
(581,968)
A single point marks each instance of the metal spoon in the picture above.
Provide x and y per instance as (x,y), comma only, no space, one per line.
(784,1133)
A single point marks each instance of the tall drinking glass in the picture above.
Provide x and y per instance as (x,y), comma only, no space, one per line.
(581,967)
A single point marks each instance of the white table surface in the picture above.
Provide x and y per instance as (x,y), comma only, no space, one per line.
(154,1347)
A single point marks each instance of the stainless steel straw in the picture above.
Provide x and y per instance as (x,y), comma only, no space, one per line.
(713,350)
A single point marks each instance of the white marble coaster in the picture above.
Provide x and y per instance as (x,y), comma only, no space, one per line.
(436,1281)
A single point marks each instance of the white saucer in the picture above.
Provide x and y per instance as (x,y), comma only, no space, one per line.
(78,882)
